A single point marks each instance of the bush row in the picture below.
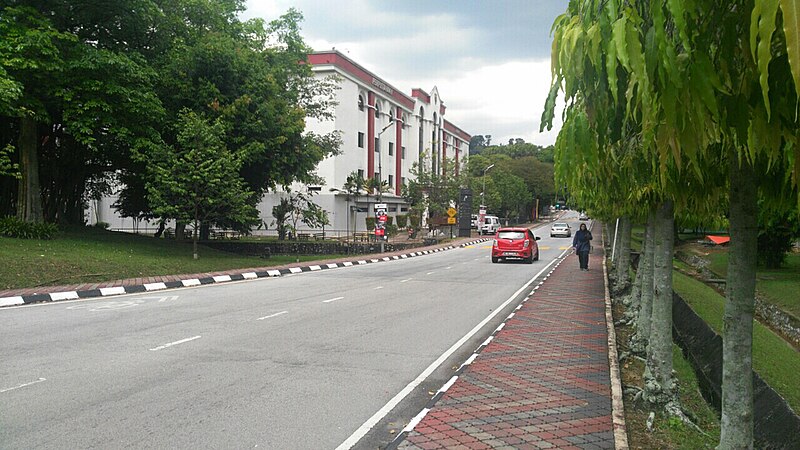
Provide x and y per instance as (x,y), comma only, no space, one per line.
(15,228)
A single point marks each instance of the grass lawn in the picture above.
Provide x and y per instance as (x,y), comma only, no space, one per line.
(94,255)
(779,286)
(773,358)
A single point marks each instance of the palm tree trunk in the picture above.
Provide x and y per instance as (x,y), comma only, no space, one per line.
(29,196)
(659,387)
(639,340)
(737,341)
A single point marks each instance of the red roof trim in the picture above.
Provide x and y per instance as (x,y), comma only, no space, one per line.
(349,66)
(420,94)
(455,131)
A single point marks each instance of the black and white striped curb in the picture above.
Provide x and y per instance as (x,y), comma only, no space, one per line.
(440,393)
(134,289)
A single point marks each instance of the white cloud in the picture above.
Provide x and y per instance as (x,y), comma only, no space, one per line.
(419,48)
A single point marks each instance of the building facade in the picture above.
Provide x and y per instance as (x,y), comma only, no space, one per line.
(384,133)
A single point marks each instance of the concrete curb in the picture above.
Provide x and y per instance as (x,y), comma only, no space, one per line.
(617,404)
(149,287)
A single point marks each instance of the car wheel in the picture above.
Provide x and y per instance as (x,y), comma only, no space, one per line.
(495,259)
(536,258)
(529,260)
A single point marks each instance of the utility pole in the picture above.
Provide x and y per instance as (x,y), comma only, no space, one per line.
(380,175)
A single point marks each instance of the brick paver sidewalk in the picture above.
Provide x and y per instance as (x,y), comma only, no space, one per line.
(541,382)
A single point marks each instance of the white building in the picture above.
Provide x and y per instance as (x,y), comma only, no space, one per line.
(373,145)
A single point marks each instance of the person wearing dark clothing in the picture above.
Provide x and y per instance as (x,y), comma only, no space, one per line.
(582,246)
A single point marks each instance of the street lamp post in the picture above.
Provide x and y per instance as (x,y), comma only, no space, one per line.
(483,191)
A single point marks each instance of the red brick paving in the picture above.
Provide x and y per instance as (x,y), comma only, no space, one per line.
(542,382)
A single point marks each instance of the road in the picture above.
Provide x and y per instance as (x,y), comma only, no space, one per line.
(301,361)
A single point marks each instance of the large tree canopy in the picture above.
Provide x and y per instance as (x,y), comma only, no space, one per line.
(85,84)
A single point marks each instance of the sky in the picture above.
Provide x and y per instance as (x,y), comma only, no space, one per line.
(490,59)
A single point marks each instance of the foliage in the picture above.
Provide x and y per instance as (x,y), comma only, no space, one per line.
(776,235)
(197,180)
(433,192)
(7,168)
(370,222)
(16,228)
(298,206)
(106,82)
(402,220)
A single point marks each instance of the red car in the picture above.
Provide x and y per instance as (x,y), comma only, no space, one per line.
(515,243)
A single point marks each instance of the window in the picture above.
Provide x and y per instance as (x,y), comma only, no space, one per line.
(391,181)
(377,176)
(403,152)
(361,103)
(403,182)
(377,145)
(361,173)
(391,148)
(360,140)
(377,110)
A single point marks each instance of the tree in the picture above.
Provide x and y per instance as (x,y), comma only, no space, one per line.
(197,180)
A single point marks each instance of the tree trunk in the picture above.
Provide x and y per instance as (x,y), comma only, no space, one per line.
(29,196)
(195,236)
(633,301)
(639,340)
(737,341)
(659,386)
(180,230)
(624,254)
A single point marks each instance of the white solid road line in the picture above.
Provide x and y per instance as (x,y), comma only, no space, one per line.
(381,413)
(332,299)
(22,385)
(162,347)
(272,315)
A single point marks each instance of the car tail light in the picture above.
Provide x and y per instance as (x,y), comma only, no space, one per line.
(494,243)
(526,244)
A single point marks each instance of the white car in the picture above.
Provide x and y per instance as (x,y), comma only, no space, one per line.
(560,229)
(490,225)
(583,216)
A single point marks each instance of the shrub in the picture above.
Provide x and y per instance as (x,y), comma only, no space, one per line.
(102,225)
(15,228)
(370,223)
(402,220)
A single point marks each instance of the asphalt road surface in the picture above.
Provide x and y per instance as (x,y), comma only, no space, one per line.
(317,360)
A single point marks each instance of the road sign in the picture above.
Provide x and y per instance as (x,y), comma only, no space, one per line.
(451,220)
(452,212)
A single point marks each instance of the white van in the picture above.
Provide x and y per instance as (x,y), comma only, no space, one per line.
(490,225)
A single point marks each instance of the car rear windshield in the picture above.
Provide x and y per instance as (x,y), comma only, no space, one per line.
(559,225)
(511,235)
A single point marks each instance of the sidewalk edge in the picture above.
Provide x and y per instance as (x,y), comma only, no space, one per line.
(617,406)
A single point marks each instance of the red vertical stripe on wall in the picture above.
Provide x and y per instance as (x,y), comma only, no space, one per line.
(444,157)
(398,153)
(370,135)
(456,142)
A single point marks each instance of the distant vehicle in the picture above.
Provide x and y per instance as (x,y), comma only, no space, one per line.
(473,222)
(490,225)
(583,216)
(560,229)
(515,243)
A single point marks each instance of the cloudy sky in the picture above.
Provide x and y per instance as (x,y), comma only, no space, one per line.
(490,59)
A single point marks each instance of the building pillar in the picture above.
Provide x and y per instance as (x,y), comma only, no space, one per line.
(398,153)
(370,135)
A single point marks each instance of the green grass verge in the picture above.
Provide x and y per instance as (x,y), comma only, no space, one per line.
(89,255)
(777,286)
(773,358)
(682,435)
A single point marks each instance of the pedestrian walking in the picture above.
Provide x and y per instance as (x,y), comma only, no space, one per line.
(582,246)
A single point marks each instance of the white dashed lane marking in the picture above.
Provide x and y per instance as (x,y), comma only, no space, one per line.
(182,341)
(272,315)
(332,299)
